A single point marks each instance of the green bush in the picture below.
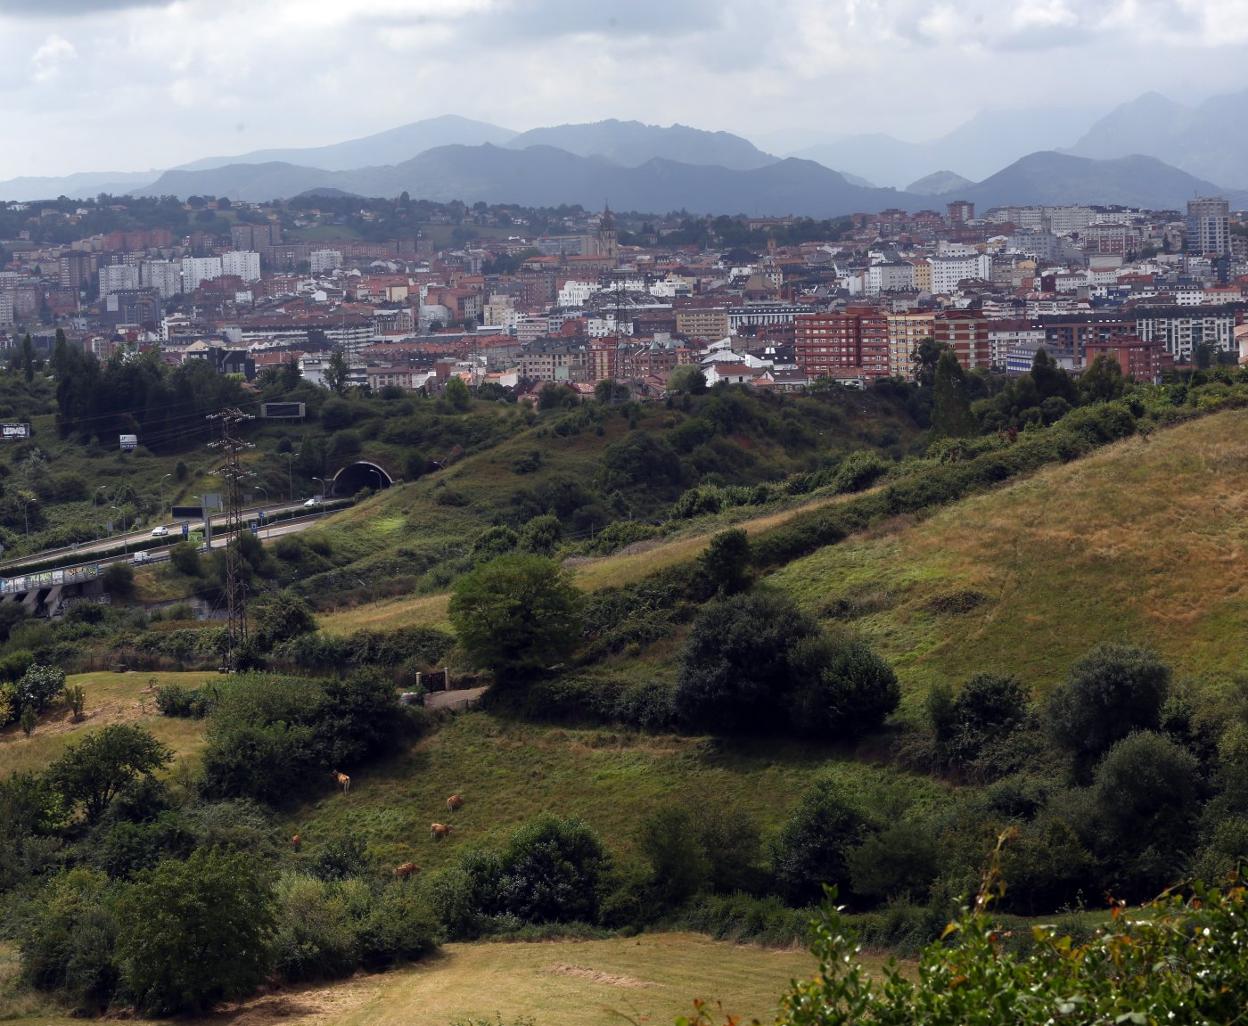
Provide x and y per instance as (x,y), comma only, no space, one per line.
(67,940)
(814,845)
(193,933)
(316,931)
(1111,692)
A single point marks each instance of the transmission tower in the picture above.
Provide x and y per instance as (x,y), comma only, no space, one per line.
(231,445)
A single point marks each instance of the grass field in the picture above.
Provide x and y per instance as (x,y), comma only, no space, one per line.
(1142,542)
(111,698)
(625,567)
(647,980)
(510,772)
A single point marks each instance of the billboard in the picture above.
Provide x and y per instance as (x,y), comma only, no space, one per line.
(282,411)
(187,513)
(128,442)
(14,431)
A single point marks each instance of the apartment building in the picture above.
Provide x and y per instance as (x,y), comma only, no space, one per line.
(905,332)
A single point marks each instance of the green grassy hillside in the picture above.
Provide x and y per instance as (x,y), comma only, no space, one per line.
(1141,542)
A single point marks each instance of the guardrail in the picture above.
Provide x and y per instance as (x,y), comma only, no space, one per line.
(137,540)
(63,560)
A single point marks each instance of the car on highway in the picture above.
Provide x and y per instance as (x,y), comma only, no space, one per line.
(160,532)
(140,558)
(313,502)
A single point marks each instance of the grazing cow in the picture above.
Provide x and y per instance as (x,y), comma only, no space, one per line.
(454,802)
(344,781)
(296,843)
(405,870)
(437,831)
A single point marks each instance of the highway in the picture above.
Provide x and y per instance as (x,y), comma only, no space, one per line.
(10,568)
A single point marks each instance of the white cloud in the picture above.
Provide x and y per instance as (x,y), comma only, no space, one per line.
(306,72)
(52,54)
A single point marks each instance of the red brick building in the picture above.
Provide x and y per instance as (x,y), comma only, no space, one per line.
(966,333)
(1139,360)
(834,342)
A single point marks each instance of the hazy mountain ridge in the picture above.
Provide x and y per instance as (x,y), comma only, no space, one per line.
(1209,140)
(632,143)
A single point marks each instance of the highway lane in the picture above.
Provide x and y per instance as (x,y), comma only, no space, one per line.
(11,568)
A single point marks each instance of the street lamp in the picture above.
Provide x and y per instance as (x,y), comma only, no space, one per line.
(324,487)
(125,541)
(290,473)
(162,494)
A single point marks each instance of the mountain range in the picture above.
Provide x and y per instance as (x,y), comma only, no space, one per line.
(996,157)
(1209,140)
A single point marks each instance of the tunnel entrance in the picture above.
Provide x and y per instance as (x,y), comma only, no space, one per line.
(361,474)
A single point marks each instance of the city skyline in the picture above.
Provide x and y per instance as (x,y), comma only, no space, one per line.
(119,85)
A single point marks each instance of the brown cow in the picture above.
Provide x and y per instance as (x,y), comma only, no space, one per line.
(454,802)
(296,843)
(405,870)
(437,831)
(344,781)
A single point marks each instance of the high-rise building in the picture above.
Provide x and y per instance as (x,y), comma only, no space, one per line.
(114,277)
(165,276)
(1209,226)
(322,260)
(966,333)
(76,268)
(960,211)
(835,344)
(196,270)
(241,263)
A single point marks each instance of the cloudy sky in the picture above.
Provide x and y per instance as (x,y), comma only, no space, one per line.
(136,84)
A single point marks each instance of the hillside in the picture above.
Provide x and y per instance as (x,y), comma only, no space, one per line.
(1056,178)
(1138,543)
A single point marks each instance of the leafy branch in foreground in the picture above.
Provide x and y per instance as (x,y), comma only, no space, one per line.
(1181,959)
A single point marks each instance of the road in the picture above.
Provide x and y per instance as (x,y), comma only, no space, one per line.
(160,553)
(9,567)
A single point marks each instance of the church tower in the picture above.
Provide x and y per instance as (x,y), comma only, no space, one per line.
(608,238)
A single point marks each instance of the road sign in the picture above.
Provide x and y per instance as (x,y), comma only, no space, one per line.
(9,432)
(281,411)
(187,513)
(186,530)
(212,501)
(128,442)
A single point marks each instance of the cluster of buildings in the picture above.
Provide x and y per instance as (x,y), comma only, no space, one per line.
(1145,288)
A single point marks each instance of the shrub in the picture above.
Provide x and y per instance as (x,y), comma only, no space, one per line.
(735,669)
(118,580)
(1110,692)
(194,933)
(814,845)
(985,714)
(67,937)
(900,862)
(844,689)
(726,562)
(95,770)
(315,936)
(184,558)
(494,541)
(540,535)
(39,686)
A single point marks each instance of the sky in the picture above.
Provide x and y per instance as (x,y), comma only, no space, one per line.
(121,85)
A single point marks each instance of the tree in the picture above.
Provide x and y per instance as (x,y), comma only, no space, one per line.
(901,861)
(926,356)
(1102,382)
(194,933)
(1145,799)
(1050,380)
(516,614)
(687,378)
(1111,692)
(457,394)
(553,871)
(608,392)
(726,562)
(337,372)
(986,712)
(39,686)
(841,688)
(814,845)
(281,617)
(94,771)
(951,402)
(540,535)
(118,580)
(184,558)
(735,671)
